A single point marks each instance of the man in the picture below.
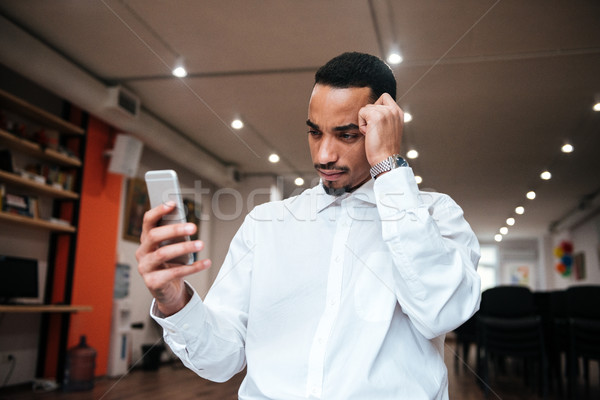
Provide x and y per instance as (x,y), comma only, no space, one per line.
(343,292)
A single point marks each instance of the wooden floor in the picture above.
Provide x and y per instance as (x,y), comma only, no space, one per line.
(175,382)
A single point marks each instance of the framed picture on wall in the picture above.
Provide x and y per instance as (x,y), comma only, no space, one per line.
(136,204)
(579,266)
(519,273)
(193,212)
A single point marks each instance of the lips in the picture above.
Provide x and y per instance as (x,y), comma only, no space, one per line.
(331,175)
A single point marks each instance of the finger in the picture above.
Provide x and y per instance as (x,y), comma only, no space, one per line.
(364,115)
(154,215)
(145,253)
(381,100)
(170,232)
(386,100)
(158,259)
(368,114)
(167,254)
(157,280)
(152,238)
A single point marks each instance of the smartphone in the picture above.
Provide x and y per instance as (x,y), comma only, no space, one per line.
(163,186)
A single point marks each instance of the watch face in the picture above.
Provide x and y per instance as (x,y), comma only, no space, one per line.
(399,161)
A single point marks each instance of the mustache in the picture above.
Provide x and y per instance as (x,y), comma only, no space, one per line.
(331,167)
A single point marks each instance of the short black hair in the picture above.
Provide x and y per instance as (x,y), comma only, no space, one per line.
(354,69)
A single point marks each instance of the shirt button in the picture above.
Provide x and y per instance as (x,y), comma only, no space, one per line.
(332,302)
(186,326)
(338,258)
(315,390)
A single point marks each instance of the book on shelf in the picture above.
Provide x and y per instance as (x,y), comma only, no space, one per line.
(6,161)
(32,176)
(47,138)
(17,204)
(34,207)
(59,221)
(52,175)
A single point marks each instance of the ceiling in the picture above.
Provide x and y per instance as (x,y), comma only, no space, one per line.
(494,87)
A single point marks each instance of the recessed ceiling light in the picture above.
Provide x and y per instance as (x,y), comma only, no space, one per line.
(299,181)
(395,58)
(412,154)
(418,179)
(546,175)
(274,158)
(179,69)
(567,148)
(180,72)
(407,117)
(510,221)
(520,210)
(596,106)
(504,230)
(530,195)
(237,124)
(498,237)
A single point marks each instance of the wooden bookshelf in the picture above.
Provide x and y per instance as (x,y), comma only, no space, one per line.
(36,223)
(52,308)
(35,150)
(40,188)
(54,319)
(21,107)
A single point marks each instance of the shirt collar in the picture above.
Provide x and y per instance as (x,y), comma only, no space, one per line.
(364,194)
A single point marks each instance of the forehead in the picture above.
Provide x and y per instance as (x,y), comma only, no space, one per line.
(336,106)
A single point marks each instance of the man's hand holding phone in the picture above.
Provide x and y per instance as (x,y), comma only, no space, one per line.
(164,255)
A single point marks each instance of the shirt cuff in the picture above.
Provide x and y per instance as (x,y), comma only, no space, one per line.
(180,320)
(396,191)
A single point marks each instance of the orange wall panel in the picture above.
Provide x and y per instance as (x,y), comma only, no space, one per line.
(96,252)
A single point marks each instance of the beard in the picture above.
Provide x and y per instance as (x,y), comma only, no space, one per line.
(337,191)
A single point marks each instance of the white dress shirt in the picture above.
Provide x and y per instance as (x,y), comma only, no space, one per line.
(330,297)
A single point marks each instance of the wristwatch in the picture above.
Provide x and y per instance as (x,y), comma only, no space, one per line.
(392,162)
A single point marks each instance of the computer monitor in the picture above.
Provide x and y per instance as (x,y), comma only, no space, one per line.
(18,279)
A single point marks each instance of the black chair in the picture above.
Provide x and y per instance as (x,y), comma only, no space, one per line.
(556,331)
(584,332)
(466,335)
(508,327)
(552,307)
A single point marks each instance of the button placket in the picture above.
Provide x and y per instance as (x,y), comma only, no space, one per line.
(334,288)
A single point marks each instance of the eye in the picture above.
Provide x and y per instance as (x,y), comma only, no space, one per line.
(348,136)
(314,133)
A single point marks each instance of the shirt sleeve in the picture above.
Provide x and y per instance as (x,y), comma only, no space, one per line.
(434,250)
(209,336)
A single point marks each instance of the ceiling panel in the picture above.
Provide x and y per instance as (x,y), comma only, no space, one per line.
(494,87)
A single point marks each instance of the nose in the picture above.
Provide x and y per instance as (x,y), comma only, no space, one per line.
(327,152)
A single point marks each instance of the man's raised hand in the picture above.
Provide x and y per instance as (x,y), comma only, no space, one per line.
(381,123)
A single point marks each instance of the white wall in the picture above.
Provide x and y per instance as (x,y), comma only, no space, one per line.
(539,256)
(586,239)
(520,264)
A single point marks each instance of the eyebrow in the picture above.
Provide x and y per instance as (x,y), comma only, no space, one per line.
(341,128)
(312,125)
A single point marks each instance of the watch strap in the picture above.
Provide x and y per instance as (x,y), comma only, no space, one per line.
(392,162)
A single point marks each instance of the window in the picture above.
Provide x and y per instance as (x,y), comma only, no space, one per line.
(488,266)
